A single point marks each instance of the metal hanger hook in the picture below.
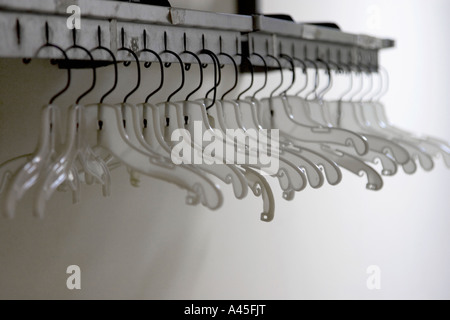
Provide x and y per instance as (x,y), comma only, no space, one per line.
(235,67)
(383,92)
(217,76)
(187,69)
(75,46)
(292,63)
(370,87)
(138,67)
(47,44)
(252,75)
(266,74)
(116,76)
(316,78)
(148,65)
(280,68)
(320,94)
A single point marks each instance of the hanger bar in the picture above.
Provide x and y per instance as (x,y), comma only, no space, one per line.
(134,12)
(22,32)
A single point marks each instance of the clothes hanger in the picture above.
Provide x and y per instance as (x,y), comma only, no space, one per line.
(346,161)
(63,169)
(330,114)
(254,180)
(246,110)
(110,162)
(174,112)
(330,168)
(388,164)
(276,109)
(375,118)
(240,116)
(49,140)
(290,176)
(398,149)
(113,137)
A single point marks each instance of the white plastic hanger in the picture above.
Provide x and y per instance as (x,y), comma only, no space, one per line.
(113,137)
(375,118)
(174,116)
(290,176)
(318,108)
(330,168)
(351,117)
(277,117)
(26,176)
(387,152)
(243,116)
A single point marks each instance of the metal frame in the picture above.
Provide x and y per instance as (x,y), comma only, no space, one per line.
(22,32)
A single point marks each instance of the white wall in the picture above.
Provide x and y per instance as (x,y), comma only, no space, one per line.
(145,243)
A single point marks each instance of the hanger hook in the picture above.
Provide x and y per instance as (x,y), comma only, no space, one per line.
(291,62)
(382,93)
(148,65)
(361,82)
(280,68)
(304,69)
(316,77)
(338,70)
(116,76)
(180,61)
(216,71)
(349,70)
(199,65)
(378,91)
(266,74)
(219,76)
(369,72)
(47,44)
(252,75)
(94,73)
(123,48)
(235,67)
(319,95)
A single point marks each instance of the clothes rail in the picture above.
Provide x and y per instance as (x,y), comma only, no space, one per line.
(23,30)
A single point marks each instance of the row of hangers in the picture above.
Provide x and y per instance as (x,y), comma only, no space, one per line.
(314,138)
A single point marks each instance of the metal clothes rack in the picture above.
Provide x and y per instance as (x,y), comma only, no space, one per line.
(22,30)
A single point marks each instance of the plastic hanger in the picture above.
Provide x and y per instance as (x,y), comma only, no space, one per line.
(239,115)
(245,111)
(63,168)
(316,111)
(380,148)
(347,161)
(290,177)
(75,152)
(107,120)
(273,109)
(245,118)
(375,118)
(350,117)
(49,140)
(256,182)
(330,168)
(197,112)
(389,166)
(175,113)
